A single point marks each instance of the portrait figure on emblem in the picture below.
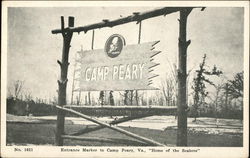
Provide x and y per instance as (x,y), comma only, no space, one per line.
(114,45)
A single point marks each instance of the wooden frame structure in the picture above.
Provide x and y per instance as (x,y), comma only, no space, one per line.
(137,17)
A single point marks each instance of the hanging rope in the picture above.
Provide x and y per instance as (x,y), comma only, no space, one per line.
(93,38)
(139,41)
(139,36)
(92,47)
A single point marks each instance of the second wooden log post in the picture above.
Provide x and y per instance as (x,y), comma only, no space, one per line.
(182,76)
(62,82)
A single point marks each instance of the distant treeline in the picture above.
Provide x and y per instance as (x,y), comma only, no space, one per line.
(22,108)
(227,113)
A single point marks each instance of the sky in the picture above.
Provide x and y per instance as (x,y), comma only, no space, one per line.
(32,49)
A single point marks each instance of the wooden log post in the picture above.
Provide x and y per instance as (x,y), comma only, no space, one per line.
(182,75)
(62,82)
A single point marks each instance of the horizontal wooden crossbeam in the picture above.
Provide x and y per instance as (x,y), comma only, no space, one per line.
(140,138)
(108,110)
(136,17)
(109,107)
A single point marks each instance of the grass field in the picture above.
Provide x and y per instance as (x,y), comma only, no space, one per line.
(43,133)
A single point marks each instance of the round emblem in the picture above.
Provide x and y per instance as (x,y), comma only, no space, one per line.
(114,45)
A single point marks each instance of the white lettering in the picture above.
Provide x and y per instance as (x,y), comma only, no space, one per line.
(106,71)
(118,72)
(115,72)
(134,71)
(86,74)
(121,72)
(93,76)
(128,72)
(141,68)
(99,73)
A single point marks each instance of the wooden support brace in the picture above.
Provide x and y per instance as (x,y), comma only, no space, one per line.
(143,139)
(121,120)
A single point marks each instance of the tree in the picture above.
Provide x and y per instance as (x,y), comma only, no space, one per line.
(168,90)
(217,98)
(78,99)
(111,98)
(18,86)
(158,95)
(54,100)
(101,97)
(235,86)
(199,85)
(233,91)
(28,96)
(169,86)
